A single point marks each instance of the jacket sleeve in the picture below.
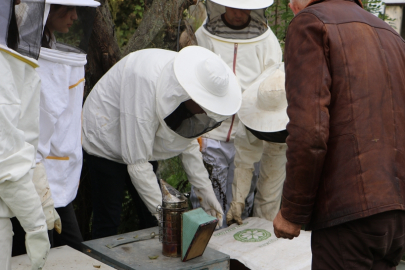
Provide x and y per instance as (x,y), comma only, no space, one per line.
(144,180)
(272,53)
(17,157)
(248,148)
(137,142)
(139,124)
(137,138)
(194,167)
(307,85)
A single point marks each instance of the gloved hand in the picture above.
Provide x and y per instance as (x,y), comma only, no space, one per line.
(235,213)
(42,187)
(209,202)
(240,189)
(37,244)
(23,201)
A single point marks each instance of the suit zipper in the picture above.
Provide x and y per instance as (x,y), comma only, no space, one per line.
(235,54)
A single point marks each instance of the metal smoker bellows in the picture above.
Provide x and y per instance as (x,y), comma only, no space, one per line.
(173,205)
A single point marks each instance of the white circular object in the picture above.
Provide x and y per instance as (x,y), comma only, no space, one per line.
(208,80)
(264,103)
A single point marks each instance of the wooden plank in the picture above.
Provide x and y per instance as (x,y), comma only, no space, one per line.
(61,258)
(135,256)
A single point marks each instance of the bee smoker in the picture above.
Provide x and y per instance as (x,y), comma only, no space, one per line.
(173,205)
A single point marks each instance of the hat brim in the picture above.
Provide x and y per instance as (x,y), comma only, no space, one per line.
(185,65)
(257,119)
(243,4)
(83,3)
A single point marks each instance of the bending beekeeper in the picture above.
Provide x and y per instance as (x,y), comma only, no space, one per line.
(152,105)
(19,122)
(238,31)
(261,136)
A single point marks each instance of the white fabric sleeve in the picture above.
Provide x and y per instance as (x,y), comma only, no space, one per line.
(16,155)
(17,158)
(145,182)
(193,165)
(272,53)
(249,148)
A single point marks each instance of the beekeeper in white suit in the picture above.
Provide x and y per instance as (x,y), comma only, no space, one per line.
(237,30)
(152,105)
(19,117)
(62,75)
(261,136)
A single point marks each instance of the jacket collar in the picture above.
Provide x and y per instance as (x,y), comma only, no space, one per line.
(313,2)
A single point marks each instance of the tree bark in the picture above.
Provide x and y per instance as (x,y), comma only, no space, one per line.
(104,51)
(159,26)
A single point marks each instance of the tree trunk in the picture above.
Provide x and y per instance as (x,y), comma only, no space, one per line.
(104,51)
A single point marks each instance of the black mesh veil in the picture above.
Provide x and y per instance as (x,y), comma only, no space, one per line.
(196,126)
(5,16)
(79,34)
(189,125)
(30,17)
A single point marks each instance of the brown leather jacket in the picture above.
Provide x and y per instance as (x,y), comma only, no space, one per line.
(345,83)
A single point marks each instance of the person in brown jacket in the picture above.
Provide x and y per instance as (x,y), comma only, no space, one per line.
(345,174)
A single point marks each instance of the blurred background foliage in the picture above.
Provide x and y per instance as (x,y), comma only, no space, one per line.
(127,15)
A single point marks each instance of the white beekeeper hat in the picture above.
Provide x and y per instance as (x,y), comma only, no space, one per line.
(208,80)
(83,3)
(245,4)
(264,103)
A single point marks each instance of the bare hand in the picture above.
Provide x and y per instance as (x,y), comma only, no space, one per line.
(284,228)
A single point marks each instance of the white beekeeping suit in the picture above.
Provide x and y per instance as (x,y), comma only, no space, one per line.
(261,136)
(19,117)
(62,75)
(126,115)
(248,52)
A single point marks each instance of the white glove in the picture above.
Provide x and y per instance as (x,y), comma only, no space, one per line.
(209,202)
(22,199)
(242,181)
(37,245)
(42,186)
(198,176)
